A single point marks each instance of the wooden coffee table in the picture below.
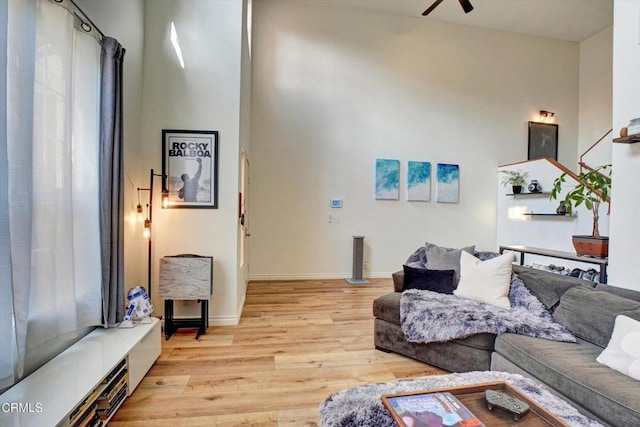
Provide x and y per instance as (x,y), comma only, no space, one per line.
(473,397)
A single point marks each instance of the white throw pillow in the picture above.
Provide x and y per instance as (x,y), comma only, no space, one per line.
(623,351)
(485,281)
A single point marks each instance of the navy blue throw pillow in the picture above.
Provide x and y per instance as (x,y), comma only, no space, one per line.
(429,280)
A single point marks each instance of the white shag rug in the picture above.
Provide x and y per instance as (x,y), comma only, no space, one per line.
(361,406)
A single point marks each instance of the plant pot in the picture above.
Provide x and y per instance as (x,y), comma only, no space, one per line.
(597,247)
(517,189)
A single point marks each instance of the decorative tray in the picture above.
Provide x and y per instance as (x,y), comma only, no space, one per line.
(473,397)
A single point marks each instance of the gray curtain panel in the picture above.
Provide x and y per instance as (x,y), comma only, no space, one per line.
(111,183)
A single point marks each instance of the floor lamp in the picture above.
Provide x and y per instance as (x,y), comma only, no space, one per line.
(149,219)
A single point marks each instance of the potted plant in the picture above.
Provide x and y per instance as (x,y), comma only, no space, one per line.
(592,189)
(516,178)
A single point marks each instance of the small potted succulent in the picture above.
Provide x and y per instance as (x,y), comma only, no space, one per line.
(515,178)
(592,188)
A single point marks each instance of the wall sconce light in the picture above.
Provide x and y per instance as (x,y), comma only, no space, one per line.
(547,116)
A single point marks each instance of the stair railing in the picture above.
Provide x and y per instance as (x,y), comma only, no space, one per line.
(582,164)
(568,171)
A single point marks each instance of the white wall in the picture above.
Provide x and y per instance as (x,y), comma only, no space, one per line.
(596,81)
(624,251)
(205,95)
(334,89)
(124,21)
(595,103)
(244,144)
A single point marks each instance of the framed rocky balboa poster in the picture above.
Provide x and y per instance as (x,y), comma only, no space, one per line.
(190,168)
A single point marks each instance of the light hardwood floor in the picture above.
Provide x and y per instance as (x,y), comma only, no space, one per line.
(297,342)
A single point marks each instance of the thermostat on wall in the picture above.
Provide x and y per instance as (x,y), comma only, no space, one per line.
(336,203)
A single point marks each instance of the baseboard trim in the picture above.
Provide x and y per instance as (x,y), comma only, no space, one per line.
(314,276)
(232,320)
(224,320)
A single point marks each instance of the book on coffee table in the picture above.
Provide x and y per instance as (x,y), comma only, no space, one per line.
(429,410)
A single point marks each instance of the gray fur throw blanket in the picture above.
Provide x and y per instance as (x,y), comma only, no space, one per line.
(433,317)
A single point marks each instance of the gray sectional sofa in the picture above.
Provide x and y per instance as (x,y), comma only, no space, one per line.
(568,369)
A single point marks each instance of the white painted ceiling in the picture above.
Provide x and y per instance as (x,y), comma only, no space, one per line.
(572,20)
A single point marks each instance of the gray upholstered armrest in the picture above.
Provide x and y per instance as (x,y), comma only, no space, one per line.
(398,281)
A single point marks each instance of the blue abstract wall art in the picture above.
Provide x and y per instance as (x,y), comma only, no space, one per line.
(387,179)
(448,185)
(418,181)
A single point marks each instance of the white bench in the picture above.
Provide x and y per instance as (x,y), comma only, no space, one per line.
(74,378)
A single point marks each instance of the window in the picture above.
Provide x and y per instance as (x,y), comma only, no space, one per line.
(49,198)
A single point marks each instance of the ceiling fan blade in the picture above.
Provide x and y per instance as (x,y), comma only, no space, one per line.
(433,6)
(466,6)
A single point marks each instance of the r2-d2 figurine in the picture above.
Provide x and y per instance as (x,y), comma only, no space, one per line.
(139,306)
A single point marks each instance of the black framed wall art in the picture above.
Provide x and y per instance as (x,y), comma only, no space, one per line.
(190,168)
(543,140)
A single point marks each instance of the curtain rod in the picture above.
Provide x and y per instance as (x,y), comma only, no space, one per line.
(87,18)
(79,13)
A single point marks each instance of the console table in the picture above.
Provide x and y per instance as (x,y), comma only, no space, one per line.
(71,389)
(602,263)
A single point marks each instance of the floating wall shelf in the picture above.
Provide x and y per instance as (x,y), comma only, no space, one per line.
(632,139)
(548,214)
(541,193)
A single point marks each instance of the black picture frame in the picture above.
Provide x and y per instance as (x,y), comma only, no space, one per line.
(189,155)
(543,140)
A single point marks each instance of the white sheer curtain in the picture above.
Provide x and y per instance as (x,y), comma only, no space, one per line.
(52,148)
(7,341)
